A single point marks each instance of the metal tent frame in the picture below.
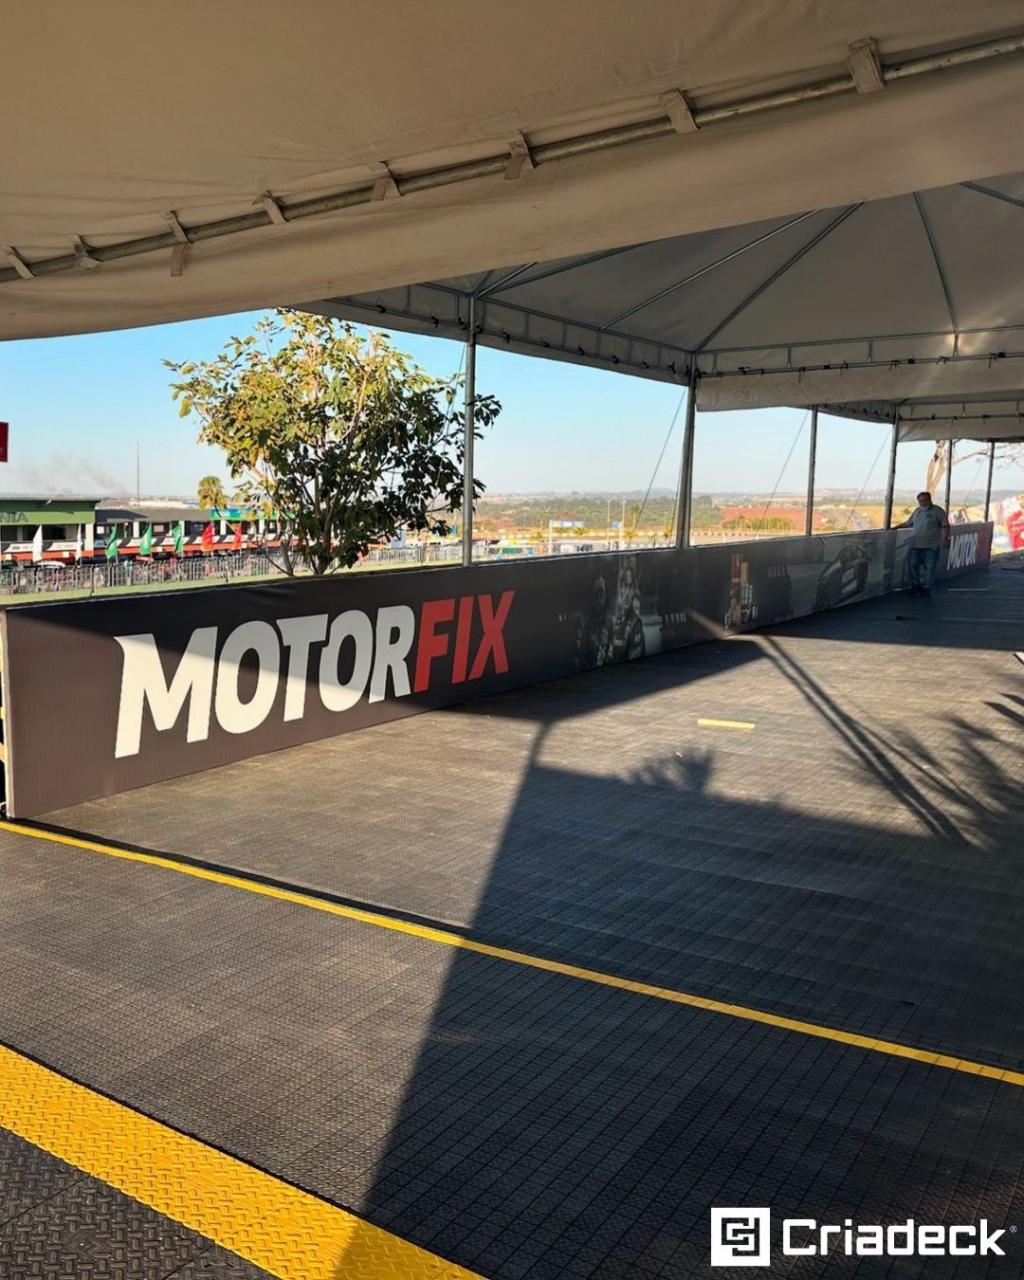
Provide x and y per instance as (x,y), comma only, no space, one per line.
(961,378)
(866,72)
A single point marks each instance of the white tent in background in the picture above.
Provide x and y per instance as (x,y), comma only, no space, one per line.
(165,162)
(913,302)
(975,417)
(907,310)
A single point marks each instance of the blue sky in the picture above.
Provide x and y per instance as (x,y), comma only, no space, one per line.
(77,406)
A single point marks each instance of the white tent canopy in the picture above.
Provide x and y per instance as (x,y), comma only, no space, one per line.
(978,417)
(914,302)
(165,162)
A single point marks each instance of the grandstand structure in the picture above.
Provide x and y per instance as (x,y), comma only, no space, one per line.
(69,530)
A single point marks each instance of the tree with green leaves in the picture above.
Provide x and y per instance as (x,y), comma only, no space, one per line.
(636,510)
(336,431)
(704,513)
(759,524)
(211,493)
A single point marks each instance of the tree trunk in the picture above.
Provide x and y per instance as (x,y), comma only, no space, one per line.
(936,468)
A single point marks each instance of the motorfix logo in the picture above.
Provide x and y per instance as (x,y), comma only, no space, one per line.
(742,1238)
(391,654)
(963,551)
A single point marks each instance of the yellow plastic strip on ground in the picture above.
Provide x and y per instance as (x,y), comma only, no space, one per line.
(287,1232)
(890,1047)
(745,725)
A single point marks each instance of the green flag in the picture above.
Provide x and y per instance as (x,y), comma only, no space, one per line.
(146,542)
(111,551)
(179,538)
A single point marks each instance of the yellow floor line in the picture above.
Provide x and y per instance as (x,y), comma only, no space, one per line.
(745,725)
(442,936)
(286,1232)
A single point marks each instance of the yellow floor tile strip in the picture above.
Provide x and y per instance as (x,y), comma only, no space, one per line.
(442,936)
(286,1232)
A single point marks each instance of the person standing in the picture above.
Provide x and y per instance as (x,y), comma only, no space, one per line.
(931,533)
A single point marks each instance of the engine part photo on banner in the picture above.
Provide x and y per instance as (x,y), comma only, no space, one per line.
(759,587)
(742,608)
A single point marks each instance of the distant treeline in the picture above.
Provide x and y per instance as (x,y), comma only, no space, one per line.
(593,512)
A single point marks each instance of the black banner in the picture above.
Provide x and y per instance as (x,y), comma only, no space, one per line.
(109,694)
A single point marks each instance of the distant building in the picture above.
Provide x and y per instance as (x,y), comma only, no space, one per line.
(69,529)
(61,520)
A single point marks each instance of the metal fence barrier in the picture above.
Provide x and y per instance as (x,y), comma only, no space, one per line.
(56,577)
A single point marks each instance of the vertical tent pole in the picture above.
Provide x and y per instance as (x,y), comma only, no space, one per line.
(684,499)
(949,474)
(812,463)
(890,486)
(988,484)
(468,438)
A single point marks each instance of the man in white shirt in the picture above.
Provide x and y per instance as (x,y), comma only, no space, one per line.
(931,532)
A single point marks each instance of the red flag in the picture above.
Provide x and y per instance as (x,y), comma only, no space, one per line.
(236,541)
(206,538)
(3,441)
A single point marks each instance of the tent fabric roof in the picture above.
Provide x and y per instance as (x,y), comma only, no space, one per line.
(180,124)
(976,418)
(913,300)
